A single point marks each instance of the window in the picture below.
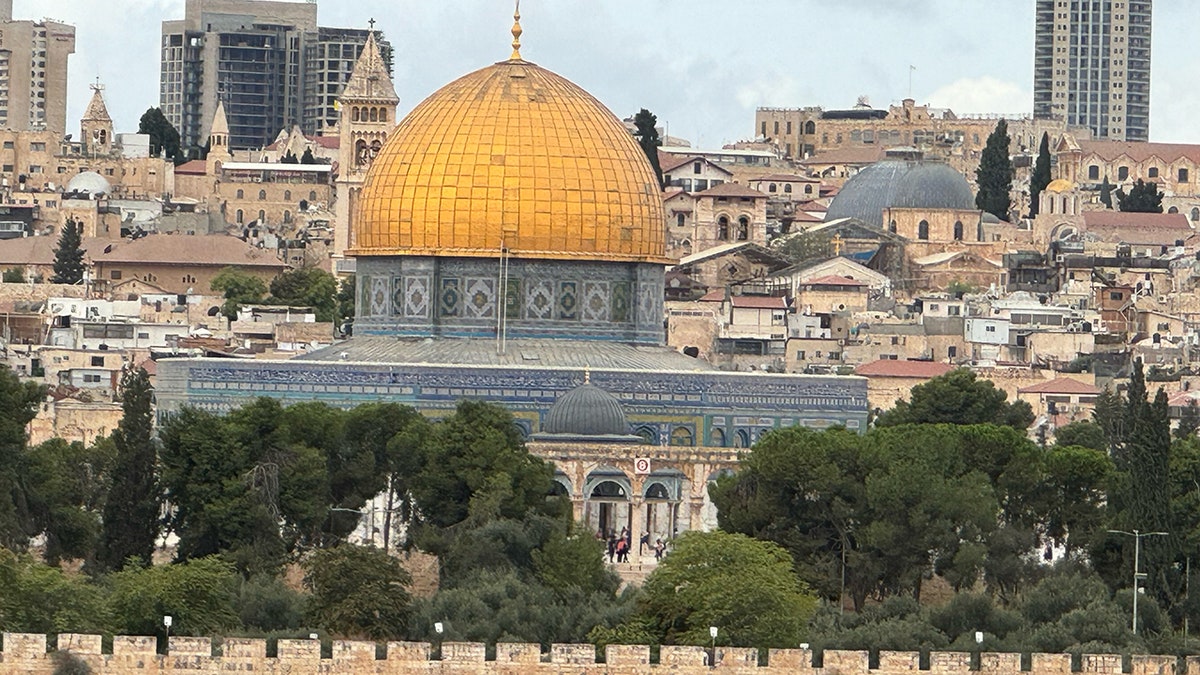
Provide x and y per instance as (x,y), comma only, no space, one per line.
(262,195)
(262,216)
(287,195)
(787,188)
(383,114)
(800,355)
(810,127)
(287,216)
(1093,172)
(241,194)
(953,310)
(1116,296)
(680,220)
(1183,175)
(8,145)
(723,228)
(789,128)
(37,147)
(808,189)
(1152,172)
(240,218)
(1123,173)
(923,229)
(743,228)
(951,351)
(93,379)
(312,196)
(98,361)
(892,227)
(697,167)
(115,275)
(958,230)
(989,329)
(771,188)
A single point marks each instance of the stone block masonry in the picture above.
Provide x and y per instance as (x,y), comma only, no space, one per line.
(31,654)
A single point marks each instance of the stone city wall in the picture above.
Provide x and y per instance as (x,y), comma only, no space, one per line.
(27,653)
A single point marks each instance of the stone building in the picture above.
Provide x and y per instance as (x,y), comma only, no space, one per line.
(723,214)
(37,102)
(958,139)
(1173,167)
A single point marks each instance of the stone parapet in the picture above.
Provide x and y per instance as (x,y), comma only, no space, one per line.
(27,653)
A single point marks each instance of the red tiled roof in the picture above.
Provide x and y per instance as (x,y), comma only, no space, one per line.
(731,190)
(846,156)
(759,302)
(668,162)
(1060,385)
(787,178)
(196,167)
(806,217)
(1111,218)
(328,142)
(1137,228)
(916,369)
(715,295)
(813,206)
(1140,152)
(834,280)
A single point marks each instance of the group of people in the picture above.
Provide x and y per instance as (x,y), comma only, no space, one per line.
(620,545)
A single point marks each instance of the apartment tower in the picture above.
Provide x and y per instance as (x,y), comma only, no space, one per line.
(1092,66)
(33,72)
(268,61)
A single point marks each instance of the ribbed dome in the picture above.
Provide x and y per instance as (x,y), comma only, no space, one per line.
(901,184)
(511,153)
(586,410)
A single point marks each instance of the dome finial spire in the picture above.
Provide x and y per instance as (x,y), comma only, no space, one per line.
(516,33)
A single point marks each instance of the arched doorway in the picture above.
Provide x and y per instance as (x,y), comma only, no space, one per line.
(606,510)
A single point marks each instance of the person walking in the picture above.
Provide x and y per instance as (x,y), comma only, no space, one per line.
(612,547)
(644,543)
(622,550)
(659,547)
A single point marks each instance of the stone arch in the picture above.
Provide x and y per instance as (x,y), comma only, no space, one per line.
(723,227)
(958,230)
(810,127)
(716,437)
(923,229)
(374,114)
(683,436)
(648,434)
(742,439)
(743,233)
(561,485)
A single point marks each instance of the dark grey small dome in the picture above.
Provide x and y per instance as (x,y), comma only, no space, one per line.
(586,410)
(900,183)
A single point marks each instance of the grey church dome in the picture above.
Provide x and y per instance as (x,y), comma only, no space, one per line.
(586,410)
(903,180)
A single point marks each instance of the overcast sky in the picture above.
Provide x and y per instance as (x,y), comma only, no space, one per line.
(702,66)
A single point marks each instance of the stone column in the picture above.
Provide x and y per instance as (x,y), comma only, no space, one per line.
(636,504)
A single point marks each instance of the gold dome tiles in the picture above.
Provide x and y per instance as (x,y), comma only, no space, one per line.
(535,155)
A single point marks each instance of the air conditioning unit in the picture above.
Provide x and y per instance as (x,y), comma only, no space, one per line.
(1059,258)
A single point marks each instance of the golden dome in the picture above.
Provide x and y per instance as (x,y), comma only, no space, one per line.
(1060,185)
(511,153)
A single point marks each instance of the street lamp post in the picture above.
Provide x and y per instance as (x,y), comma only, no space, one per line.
(1137,574)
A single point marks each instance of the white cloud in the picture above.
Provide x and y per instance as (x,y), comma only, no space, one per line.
(981,95)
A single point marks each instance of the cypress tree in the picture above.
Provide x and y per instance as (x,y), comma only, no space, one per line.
(646,123)
(1041,175)
(1106,189)
(68,255)
(995,174)
(131,512)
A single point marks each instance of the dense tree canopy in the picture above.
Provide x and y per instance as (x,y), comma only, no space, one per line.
(958,397)
(358,592)
(238,288)
(164,138)
(307,287)
(132,508)
(1142,197)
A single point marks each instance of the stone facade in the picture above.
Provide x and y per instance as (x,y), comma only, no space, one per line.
(457,297)
(711,408)
(27,653)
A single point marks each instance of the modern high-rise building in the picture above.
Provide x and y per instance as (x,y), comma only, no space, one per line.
(1092,66)
(41,49)
(268,61)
